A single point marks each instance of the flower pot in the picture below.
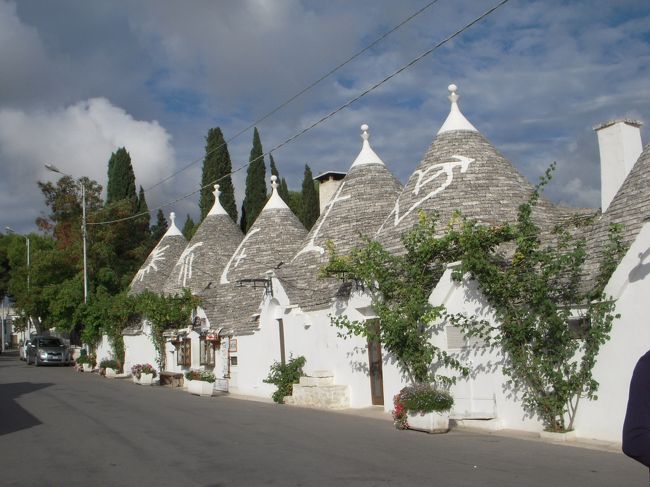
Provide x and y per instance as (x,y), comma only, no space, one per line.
(110,373)
(87,367)
(433,422)
(146,379)
(200,387)
(135,379)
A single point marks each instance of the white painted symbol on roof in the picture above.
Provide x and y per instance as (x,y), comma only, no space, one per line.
(237,255)
(158,254)
(427,176)
(187,259)
(311,246)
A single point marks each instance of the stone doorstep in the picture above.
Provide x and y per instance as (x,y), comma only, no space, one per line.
(322,397)
(308,381)
(321,374)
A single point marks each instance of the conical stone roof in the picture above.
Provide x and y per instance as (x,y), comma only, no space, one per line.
(629,208)
(461,170)
(270,243)
(364,198)
(156,269)
(207,253)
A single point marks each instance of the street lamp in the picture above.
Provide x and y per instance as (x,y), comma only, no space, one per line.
(52,168)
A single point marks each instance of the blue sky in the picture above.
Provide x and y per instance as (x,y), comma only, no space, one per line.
(81,79)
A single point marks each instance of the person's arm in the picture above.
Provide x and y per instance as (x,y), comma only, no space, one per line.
(636,429)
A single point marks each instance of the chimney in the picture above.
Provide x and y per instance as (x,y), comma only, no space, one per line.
(619,143)
(329,184)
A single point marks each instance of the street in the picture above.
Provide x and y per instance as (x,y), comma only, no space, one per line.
(60,427)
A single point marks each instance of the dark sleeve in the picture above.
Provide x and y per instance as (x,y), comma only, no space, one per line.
(636,429)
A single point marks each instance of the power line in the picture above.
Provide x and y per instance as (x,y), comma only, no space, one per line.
(324,118)
(301,92)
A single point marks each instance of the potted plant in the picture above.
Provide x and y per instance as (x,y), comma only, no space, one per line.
(200,382)
(110,366)
(143,374)
(87,362)
(422,407)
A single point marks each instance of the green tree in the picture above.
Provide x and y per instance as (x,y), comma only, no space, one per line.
(255,196)
(294,201)
(216,169)
(189,228)
(121,178)
(310,205)
(161,226)
(283,190)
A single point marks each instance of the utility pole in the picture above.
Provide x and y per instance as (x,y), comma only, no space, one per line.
(52,168)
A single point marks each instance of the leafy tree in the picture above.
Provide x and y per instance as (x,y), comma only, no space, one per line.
(121,178)
(534,294)
(255,196)
(161,226)
(284,376)
(189,228)
(294,201)
(399,287)
(310,205)
(216,169)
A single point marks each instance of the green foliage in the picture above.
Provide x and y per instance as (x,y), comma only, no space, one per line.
(86,359)
(294,201)
(533,293)
(310,205)
(189,228)
(159,229)
(109,364)
(121,178)
(165,313)
(216,170)
(399,287)
(202,375)
(422,398)
(255,196)
(284,376)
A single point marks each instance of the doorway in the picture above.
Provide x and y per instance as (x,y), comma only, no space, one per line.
(375,367)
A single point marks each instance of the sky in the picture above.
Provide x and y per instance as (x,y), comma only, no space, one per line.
(80,79)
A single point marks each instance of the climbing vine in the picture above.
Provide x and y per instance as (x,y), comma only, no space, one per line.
(165,313)
(537,291)
(399,286)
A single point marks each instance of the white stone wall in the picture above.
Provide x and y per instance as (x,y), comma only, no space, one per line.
(139,349)
(104,350)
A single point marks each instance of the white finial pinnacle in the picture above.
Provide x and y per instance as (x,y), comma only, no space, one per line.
(274,181)
(217,209)
(172,217)
(216,192)
(275,201)
(364,132)
(173,229)
(455,120)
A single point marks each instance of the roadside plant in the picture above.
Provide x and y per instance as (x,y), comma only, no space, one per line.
(86,359)
(109,364)
(202,375)
(284,376)
(138,369)
(419,398)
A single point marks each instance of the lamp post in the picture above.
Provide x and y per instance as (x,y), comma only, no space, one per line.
(52,168)
(4,320)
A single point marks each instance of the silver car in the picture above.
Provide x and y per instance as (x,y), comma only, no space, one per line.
(47,350)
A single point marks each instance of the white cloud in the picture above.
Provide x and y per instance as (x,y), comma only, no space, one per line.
(79,140)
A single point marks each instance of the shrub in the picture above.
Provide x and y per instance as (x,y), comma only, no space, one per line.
(86,359)
(109,364)
(419,398)
(203,375)
(284,376)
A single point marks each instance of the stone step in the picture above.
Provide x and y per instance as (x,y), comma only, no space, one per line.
(323,397)
(316,381)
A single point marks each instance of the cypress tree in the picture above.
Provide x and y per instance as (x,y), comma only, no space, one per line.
(310,205)
(217,166)
(161,226)
(189,228)
(121,178)
(255,196)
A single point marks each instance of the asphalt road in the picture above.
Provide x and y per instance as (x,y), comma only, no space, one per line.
(60,427)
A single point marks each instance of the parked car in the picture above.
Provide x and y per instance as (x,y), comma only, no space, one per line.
(47,350)
(22,350)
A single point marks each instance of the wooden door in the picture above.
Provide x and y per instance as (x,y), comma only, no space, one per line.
(375,368)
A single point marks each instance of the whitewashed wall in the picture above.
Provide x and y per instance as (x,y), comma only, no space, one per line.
(630,339)
(104,350)
(139,349)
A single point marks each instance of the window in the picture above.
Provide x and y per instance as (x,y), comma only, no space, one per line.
(206,352)
(579,326)
(184,352)
(233,360)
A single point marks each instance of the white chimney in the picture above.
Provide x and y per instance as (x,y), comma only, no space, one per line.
(619,142)
(329,184)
